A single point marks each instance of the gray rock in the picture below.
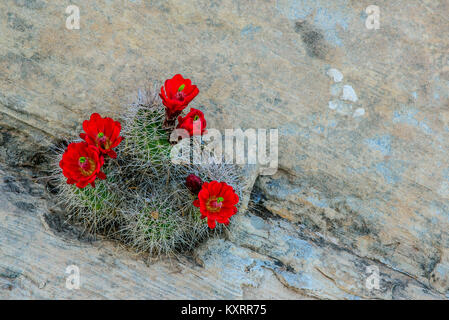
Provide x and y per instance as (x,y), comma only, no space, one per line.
(359,186)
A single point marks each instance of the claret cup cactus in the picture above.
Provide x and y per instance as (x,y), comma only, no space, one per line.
(122,181)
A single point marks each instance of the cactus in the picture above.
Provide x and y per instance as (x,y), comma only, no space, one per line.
(147,143)
(144,202)
(152,226)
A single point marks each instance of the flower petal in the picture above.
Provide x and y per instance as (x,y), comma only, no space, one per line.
(112,154)
(211,223)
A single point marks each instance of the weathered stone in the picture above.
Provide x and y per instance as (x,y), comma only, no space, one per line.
(37,247)
(261,259)
(363,178)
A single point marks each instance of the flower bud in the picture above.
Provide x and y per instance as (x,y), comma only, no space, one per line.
(194,183)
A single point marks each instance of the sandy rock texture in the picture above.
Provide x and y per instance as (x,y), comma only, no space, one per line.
(363,119)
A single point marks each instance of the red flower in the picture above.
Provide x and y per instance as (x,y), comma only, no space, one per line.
(194,122)
(217,201)
(176,94)
(102,133)
(81,164)
(194,183)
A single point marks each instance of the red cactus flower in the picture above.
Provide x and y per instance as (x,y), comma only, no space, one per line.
(176,94)
(217,201)
(104,133)
(81,164)
(194,122)
(194,183)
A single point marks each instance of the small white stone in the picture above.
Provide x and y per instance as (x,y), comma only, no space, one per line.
(335,74)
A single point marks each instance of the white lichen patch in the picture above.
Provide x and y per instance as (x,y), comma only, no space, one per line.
(333,104)
(336,89)
(341,94)
(349,93)
(341,107)
(358,112)
(335,74)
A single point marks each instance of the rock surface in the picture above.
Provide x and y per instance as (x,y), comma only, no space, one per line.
(260,258)
(363,175)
